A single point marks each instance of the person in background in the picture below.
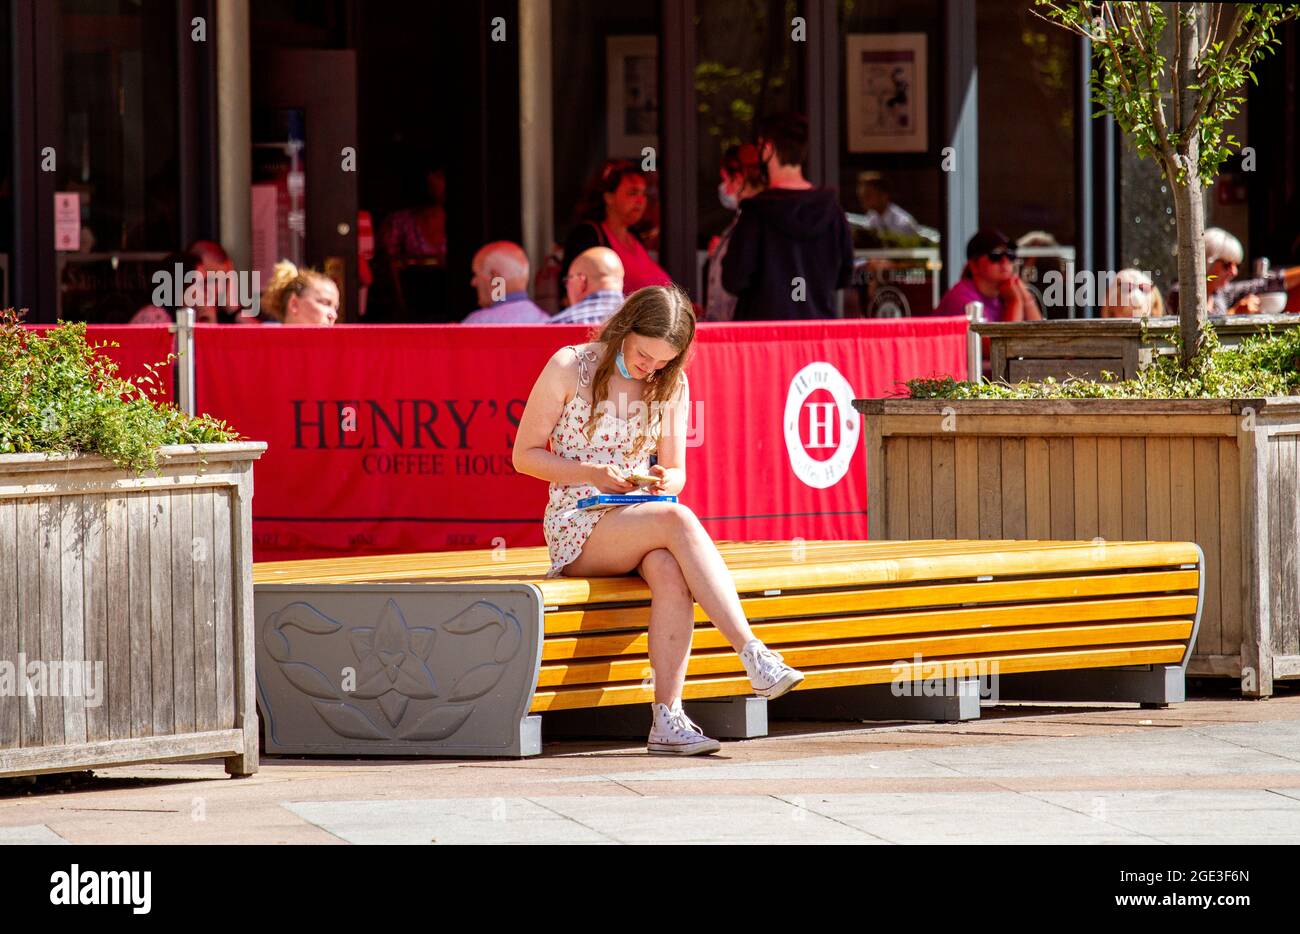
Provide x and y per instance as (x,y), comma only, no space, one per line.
(989,277)
(166,314)
(1132,294)
(791,249)
(501,282)
(594,288)
(1224,292)
(409,267)
(614,202)
(420,230)
(1033,269)
(882,214)
(742,178)
(300,296)
(212,262)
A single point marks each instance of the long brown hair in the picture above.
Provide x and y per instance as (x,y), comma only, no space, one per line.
(664,313)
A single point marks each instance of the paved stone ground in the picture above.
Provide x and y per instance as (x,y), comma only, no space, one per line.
(1214,770)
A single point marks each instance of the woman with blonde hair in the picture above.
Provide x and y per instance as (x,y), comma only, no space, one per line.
(300,296)
(604,407)
(1132,294)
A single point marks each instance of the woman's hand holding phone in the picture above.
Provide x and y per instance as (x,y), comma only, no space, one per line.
(609,479)
(660,475)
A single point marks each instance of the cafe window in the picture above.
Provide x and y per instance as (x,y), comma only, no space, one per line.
(6,168)
(118,167)
(118,118)
(747,67)
(1027,126)
(605,91)
(891,182)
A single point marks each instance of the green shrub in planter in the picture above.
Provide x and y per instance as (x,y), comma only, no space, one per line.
(1258,367)
(59,395)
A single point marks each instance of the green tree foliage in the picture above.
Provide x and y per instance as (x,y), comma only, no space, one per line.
(1172,75)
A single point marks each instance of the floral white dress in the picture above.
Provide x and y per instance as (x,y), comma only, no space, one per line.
(565,526)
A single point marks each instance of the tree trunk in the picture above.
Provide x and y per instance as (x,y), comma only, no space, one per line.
(1189,207)
(1189,211)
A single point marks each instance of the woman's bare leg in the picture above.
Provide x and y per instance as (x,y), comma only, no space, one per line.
(672,623)
(626,534)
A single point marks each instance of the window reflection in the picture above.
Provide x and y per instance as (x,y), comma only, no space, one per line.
(119,122)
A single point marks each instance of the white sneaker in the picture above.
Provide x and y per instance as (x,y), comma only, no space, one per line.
(767,670)
(674,734)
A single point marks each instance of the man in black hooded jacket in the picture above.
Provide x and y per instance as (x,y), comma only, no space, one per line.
(791,249)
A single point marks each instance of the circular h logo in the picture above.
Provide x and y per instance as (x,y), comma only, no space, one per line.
(821,427)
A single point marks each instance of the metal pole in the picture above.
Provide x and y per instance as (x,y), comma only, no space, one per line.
(536,143)
(185,364)
(1084,174)
(234,129)
(974,344)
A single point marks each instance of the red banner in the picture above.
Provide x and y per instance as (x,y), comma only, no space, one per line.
(391,438)
(138,344)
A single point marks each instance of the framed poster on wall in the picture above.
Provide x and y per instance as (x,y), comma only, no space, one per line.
(886,92)
(631,95)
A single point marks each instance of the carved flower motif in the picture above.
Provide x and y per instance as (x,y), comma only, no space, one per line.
(391,657)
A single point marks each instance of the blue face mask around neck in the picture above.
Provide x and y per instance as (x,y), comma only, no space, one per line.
(622,367)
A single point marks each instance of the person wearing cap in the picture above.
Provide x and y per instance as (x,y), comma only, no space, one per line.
(742,178)
(990,277)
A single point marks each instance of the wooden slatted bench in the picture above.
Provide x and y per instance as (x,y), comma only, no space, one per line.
(458,653)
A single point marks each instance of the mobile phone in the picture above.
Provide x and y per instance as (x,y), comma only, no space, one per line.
(642,479)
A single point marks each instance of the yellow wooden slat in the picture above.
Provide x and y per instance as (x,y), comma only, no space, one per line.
(859,651)
(524,560)
(1024,590)
(1154,654)
(755,566)
(920,623)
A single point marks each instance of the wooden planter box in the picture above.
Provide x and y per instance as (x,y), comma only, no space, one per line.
(140,589)
(1084,347)
(1221,473)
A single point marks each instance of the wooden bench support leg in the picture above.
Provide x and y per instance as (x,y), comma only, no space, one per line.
(721,718)
(241,766)
(530,737)
(1148,685)
(626,721)
(918,700)
(730,717)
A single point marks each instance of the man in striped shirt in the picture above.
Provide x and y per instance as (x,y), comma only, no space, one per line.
(594,286)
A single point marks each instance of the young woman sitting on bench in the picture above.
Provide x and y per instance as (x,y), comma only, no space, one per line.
(604,407)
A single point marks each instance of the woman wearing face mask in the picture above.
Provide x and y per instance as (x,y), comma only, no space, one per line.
(572,434)
(742,177)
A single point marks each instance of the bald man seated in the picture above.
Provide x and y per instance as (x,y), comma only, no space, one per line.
(594,286)
(501,282)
